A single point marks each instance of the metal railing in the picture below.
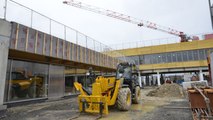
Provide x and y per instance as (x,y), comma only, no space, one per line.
(154,42)
(14,11)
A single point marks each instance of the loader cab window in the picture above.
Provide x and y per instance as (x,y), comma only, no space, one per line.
(123,72)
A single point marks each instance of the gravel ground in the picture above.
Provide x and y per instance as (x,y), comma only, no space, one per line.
(174,111)
(55,110)
(150,108)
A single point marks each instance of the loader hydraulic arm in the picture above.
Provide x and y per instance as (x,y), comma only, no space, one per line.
(80,88)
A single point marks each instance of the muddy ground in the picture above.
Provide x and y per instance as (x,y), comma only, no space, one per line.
(150,108)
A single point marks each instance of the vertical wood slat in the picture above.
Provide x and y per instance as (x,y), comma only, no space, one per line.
(17,33)
(27,37)
(36,41)
(44,44)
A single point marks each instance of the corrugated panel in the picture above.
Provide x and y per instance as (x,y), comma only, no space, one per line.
(60,48)
(22,34)
(31,41)
(66,50)
(89,56)
(78,53)
(14,35)
(74,55)
(40,42)
(81,54)
(54,46)
(71,51)
(47,44)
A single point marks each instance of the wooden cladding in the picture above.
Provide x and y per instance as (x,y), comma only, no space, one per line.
(30,40)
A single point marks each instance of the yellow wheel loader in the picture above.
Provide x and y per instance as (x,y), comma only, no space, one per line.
(121,91)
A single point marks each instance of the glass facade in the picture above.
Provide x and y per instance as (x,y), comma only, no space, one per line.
(69,85)
(25,80)
(29,80)
(181,56)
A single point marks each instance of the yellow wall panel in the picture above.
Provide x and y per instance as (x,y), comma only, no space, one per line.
(199,44)
(174,65)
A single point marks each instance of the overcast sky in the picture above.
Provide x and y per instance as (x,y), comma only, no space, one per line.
(189,16)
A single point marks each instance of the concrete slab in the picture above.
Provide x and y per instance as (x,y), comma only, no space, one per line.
(5,31)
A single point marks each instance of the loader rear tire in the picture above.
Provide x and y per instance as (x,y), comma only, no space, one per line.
(124,100)
(137,96)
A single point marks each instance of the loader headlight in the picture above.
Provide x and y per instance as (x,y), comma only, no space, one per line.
(120,75)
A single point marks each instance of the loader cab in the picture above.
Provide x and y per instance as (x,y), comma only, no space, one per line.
(125,70)
(129,73)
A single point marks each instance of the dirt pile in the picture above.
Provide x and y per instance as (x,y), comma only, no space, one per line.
(167,90)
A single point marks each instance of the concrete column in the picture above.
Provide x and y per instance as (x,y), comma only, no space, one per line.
(158,78)
(5,30)
(144,80)
(139,79)
(201,75)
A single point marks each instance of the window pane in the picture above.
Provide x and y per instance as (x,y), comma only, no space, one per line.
(169,57)
(185,56)
(164,60)
(154,58)
(142,59)
(147,59)
(190,55)
(179,57)
(159,57)
(202,55)
(195,54)
(174,57)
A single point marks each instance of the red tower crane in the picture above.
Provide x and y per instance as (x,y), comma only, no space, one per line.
(127,18)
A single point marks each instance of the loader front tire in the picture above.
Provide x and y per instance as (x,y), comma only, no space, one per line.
(137,96)
(124,100)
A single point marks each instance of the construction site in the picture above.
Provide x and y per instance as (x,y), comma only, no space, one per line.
(109,65)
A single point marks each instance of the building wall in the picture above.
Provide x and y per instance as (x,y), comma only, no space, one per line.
(179,55)
(198,44)
(4,48)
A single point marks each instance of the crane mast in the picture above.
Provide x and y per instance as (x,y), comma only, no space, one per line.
(127,18)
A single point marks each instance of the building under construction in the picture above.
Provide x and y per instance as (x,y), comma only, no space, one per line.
(39,66)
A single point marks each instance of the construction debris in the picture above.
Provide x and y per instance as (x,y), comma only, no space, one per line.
(167,90)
